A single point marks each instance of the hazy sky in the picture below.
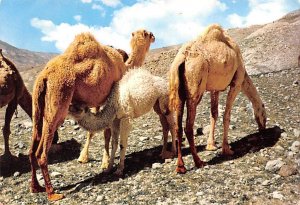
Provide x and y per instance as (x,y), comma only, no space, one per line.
(50,25)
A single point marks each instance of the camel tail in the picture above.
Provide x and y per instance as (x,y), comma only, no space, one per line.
(26,102)
(175,86)
(250,91)
(38,105)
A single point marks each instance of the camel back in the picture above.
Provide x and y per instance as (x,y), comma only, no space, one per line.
(83,47)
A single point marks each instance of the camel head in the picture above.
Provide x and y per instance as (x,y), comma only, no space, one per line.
(78,111)
(140,44)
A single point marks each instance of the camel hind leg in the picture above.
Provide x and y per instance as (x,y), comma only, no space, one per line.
(250,91)
(11,107)
(214,101)
(164,120)
(190,120)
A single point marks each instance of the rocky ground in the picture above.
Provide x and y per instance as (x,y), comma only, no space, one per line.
(265,168)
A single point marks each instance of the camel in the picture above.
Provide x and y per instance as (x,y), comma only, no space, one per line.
(84,154)
(133,96)
(140,44)
(211,63)
(83,74)
(13,92)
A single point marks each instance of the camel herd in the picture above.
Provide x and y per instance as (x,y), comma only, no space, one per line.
(104,89)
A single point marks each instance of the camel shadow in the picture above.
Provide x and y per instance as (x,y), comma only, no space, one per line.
(64,151)
(138,161)
(250,144)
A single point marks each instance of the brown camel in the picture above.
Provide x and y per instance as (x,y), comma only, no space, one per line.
(210,63)
(84,154)
(83,74)
(12,93)
(140,44)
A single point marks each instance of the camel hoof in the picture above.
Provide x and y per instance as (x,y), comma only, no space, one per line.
(82,159)
(55,197)
(37,189)
(167,155)
(227,151)
(200,164)
(211,147)
(181,169)
(118,173)
(104,166)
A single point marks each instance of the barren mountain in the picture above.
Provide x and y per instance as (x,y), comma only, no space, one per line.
(25,59)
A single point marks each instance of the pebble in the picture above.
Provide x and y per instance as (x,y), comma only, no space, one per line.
(16,174)
(143,138)
(287,170)
(295,146)
(265,183)
(277,195)
(274,165)
(284,135)
(56,174)
(296,132)
(100,198)
(156,165)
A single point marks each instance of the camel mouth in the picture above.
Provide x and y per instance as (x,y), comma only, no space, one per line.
(152,37)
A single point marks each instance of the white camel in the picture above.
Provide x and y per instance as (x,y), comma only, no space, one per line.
(133,96)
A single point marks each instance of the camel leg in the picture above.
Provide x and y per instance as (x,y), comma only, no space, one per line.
(170,119)
(191,114)
(115,138)
(214,99)
(105,158)
(84,154)
(165,154)
(125,128)
(233,92)
(11,107)
(42,158)
(250,91)
(179,131)
(35,186)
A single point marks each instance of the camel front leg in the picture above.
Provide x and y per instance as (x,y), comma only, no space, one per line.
(11,107)
(191,114)
(125,128)
(105,157)
(84,154)
(115,129)
(233,92)
(214,101)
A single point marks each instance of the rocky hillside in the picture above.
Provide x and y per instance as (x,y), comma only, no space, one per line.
(24,59)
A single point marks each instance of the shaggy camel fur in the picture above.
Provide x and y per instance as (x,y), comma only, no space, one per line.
(210,63)
(13,92)
(85,66)
(140,44)
(133,96)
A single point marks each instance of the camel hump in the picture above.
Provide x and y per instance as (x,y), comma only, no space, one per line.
(84,46)
(213,32)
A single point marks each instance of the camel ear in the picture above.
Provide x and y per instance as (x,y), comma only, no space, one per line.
(132,34)
(145,33)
